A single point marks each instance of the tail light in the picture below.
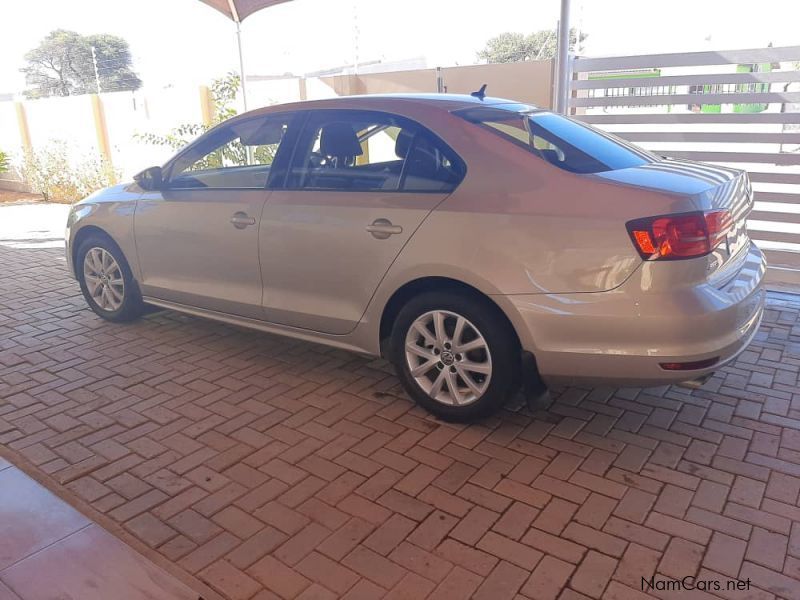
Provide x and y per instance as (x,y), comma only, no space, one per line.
(685,235)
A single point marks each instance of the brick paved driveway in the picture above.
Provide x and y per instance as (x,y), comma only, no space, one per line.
(273,468)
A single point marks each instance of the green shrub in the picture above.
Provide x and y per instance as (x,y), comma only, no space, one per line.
(223,94)
(58,178)
(4,164)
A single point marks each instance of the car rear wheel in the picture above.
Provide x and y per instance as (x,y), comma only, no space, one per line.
(106,280)
(455,355)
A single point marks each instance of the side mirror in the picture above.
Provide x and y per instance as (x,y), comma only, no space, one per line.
(149,179)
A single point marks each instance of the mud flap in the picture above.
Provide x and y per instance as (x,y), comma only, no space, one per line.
(534,390)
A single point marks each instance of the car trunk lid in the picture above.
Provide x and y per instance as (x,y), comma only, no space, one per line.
(706,188)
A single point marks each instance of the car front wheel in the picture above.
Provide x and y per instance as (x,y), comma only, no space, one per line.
(455,355)
(106,280)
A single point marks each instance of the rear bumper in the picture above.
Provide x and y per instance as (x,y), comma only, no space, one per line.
(621,337)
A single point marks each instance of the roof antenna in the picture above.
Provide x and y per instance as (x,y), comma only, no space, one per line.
(480,94)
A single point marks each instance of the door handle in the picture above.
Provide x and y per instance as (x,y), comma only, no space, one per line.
(240,220)
(383,228)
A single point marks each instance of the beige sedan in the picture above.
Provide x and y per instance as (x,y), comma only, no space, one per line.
(478,243)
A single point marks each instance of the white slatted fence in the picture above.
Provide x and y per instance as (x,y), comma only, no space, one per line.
(738,108)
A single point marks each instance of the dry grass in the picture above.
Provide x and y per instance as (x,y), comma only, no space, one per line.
(9,197)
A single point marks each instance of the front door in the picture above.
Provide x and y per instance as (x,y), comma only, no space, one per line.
(197,237)
(359,186)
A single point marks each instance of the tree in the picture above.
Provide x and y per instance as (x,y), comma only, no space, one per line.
(62,65)
(516,47)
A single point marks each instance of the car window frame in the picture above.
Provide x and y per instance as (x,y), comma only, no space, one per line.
(303,131)
(296,123)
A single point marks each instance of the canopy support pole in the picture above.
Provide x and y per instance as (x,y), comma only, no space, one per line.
(241,64)
(237,20)
(562,57)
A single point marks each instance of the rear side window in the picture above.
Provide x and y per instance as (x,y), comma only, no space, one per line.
(364,151)
(562,142)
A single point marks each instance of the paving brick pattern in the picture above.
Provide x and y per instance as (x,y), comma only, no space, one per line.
(271,468)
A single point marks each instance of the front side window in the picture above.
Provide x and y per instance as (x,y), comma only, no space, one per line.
(562,142)
(366,151)
(236,156)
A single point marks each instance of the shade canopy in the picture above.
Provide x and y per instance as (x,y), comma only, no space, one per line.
(239,10)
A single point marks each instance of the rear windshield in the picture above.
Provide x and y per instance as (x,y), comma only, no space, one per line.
(565,143)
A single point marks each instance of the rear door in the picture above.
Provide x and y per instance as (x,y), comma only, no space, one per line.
(358,187)
(197,237)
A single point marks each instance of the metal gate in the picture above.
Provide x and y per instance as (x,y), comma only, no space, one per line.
(739,108)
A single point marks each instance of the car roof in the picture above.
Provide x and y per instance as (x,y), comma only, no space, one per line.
(447,102)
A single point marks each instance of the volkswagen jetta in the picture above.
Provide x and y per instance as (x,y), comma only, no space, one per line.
(476,242)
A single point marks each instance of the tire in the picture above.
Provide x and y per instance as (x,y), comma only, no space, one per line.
(484,374)
(121,301)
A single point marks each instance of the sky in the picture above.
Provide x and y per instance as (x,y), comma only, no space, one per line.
(187,42)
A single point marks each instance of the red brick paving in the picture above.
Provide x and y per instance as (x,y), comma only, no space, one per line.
(271,468)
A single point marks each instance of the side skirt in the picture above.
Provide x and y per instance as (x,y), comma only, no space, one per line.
(292,332)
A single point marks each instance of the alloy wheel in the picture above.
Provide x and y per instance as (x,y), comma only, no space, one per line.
(104,280)
(448,357)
